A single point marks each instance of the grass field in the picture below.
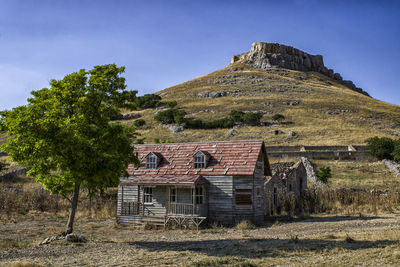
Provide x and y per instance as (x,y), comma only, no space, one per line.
(319,241)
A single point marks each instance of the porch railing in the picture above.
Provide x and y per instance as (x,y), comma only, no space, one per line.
(134,208)
(185,209)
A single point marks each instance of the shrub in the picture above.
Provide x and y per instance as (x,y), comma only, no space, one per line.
(244,225)
(148,101)
(171,104)
(3,165)
(169,115)
(278,117)
(219,123)
(139,123)
(324,174)
(396,151)
(251,118)
(381,148)
(237,115)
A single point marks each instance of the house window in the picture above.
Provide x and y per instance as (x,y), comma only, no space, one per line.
(172,195)
(290,187)
(151,162)
(243,197)
(199,161)
(258,196)
(198,195)
(275,196)
(148,195)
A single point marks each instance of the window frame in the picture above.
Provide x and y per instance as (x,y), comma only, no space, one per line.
(147,195)
(151,161)
(244,197)
(173,195)
(198,195)
(199,164)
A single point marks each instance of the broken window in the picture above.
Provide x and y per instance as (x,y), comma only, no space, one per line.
(243,197)
(199,160)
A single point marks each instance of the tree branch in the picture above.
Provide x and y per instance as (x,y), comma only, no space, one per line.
(67,198)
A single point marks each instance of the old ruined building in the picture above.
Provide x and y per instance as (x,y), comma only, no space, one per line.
(268,55)
(191,182)
(288,178)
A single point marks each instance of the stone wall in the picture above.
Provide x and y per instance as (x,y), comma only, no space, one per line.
(12,174)
(352,153)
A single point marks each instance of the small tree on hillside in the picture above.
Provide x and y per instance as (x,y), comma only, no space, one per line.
(381,148)
(324,174)
(65,134)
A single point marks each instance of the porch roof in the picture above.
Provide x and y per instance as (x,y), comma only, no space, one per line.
(188,180)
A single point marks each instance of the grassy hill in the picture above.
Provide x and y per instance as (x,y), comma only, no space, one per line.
(319,109)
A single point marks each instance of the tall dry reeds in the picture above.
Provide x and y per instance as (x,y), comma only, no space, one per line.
(343,201)
(22,201)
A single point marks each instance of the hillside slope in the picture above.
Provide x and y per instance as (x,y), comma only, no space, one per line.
(319,107)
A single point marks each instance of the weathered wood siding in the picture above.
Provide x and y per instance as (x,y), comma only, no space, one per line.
(220,199)
(130,194)
(254,212)
(259,185)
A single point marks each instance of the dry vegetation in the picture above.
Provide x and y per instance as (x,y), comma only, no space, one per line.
(316,94)
(320,240)
(339,227)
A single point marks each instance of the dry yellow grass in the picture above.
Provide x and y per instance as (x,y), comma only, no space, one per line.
(318,241)
(316,93)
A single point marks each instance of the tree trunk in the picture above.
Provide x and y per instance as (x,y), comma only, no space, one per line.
(74,206)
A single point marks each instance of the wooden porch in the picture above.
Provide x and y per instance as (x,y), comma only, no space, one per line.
(180,213)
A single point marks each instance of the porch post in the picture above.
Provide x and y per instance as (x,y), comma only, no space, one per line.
(194,199)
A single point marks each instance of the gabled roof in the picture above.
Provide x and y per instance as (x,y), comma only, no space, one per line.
(225,158)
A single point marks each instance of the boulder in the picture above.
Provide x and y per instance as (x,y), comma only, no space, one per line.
(292,133)
(76,238)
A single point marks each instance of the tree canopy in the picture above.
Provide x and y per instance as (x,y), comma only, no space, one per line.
(64,133)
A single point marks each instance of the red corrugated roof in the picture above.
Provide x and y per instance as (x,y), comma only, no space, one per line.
(166,180)
(225,158)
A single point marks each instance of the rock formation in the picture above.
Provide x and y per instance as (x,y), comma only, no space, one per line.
(269,55)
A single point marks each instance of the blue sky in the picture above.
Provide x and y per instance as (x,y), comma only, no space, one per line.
(163,43)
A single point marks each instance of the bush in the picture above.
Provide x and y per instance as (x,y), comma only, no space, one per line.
(237,115)
(149,101)
(3,165)
(324,174)
(171,104)
(170,115)
(139,123)
(251,118)
(396,151)
(219,123)
(278,117)
(381,148)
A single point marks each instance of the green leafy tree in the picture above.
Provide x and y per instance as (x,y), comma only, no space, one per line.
(324,174)
(172,115)
(148,101)
(64,133)
(381,148)
(278,117)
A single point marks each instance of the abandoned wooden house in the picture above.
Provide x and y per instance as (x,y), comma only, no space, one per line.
(288,178)
(191,182)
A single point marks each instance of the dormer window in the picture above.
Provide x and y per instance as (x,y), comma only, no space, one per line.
(199,160)
(152,161)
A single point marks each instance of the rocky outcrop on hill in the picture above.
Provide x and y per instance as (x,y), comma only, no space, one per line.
(269,55)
